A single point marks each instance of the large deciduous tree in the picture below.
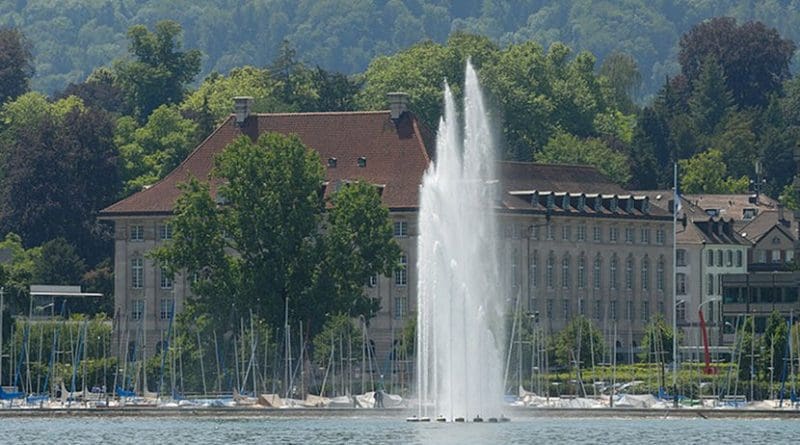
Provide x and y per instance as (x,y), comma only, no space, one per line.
(159,71)
(16,64)
(60,169)
(706,172)
(754,58)
(271,245)
(564,148)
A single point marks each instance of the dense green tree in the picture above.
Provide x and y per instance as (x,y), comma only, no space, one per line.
(98,91)
(271,214)
(58,264)
(150,152)
(750,349)
(738,144)
(656,344)
(754,58)
(216,93)
(649,150)
(711,101)
(339,332)
(16,63)
(564,148)
(776,337)
(706,173)
(60,170)
(159,71)
(580,340)
(624,78)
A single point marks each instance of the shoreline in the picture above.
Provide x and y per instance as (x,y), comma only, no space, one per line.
(399,413)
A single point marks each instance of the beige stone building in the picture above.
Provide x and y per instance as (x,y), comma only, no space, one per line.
(575,243)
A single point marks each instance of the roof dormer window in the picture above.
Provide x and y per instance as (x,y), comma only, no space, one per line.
(749,213)
(331,162)
(612,205)
(565,202)
(362,161)
(581,203)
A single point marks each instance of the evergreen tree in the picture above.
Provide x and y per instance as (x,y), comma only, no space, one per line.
(710,101)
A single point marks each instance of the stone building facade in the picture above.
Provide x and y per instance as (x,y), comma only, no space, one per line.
(575,243)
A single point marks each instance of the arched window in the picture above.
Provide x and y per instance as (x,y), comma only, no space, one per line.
(645,273)
(629,272)
(597,274)
(612,276)
(582,272)
(565,272)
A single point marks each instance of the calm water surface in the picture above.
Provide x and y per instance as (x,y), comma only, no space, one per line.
(379,431)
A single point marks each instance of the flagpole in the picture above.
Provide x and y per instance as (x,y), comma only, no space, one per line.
(675,208)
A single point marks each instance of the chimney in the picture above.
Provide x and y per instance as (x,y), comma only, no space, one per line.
(781,216)
(398,104)
(242,107)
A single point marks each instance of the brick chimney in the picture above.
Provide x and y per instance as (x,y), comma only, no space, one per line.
(398,104)
(242,107)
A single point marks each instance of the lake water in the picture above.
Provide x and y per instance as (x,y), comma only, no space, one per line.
(385,430)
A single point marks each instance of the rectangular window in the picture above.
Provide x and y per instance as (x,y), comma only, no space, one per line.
(789,257)
(550,231)
(776,256)
(399,307)
(566,310)
(581,273)
(137,309)
(137,273)
(660,236)
(598,310)
(710,284)
(581,232)
(629,235)
(549,272)
(566,233)
(761,256)
(645,311)
(550,304)
(680,311)
(596,275)
(613,234)
(680,283)
(534,272)
(534,234)
(680,257)
(729,258)
(372,281)
(739,258)
(565,273)
(401,274)
(629,310)
(165,232)
(710,262)
(661,308)
(597,234)
(401,229)
(137,233)
(167,307)
(660,276)
(582,307)
(612,309)
(645,236)
(166,279)
(719,258)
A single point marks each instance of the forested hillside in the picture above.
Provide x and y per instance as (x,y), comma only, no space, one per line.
(72,37)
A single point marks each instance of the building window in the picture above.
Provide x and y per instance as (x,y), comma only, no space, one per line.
(719,258)
(613,234)
(534,232)
(789,256)
(680,257)
(680,311)
(597,234)
(598,309)
(567,310)
(738,258)
(629,273)
(710,284)
(645,311)
(761,256)
(596,274)
(581,232)
(137,273)
(550,305)
(612,276)
(401,274)
(399,307)
(534,272)
(680,283)
(165,232)
(372,281)
(629,310)
(776,256)
(550,231)
(630,235)
(729,258)
(137,233)
(710,262)
(661,308)
(137,309)
(645,236)
(401,229)
(645,274)
(166,279)
(612,309)
(565,272)
(566,232)
(551,259)
(660,274)
(582,272)
(582,307)
(167,308)
(660,236)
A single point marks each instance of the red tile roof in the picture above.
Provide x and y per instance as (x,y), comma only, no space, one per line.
(395,152)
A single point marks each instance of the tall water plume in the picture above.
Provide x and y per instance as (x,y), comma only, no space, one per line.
(461,297)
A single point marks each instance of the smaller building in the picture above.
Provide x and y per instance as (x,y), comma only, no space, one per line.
(758,294)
